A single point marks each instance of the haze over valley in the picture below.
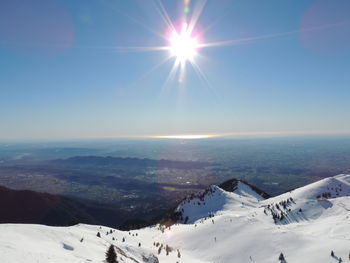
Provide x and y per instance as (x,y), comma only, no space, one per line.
(141,180)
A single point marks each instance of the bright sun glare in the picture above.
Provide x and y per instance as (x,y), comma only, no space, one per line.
(182,45)
(186,137)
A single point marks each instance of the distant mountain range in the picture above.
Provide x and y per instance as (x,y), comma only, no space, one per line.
(135,162)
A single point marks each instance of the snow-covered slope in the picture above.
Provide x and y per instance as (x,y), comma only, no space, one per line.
(239,228)
(39,243)
(312,201)
(331,187)
(214,200)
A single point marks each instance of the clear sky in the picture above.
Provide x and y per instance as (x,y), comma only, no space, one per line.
(66,70)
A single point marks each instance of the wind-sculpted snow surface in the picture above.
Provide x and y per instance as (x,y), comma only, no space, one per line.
(222,227)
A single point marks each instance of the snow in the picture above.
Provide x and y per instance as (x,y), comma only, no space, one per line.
(237,230)
(311,201)
(214,201)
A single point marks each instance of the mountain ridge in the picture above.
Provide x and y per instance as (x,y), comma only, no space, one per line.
(31,207)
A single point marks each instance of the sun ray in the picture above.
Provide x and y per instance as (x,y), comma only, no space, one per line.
(148,72)
(170,76)
(182,71)
(141,48)
(163,13)
(200,45)
(201,74)
(136,21)
(204,78)
(216,21)
(195,15)
(269,36)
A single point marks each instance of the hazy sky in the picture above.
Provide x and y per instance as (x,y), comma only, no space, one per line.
(63,73)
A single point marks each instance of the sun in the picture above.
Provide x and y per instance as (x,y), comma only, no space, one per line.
(185,41)
(182,45)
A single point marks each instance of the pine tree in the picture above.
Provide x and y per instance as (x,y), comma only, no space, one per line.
(111,256)
(281,257)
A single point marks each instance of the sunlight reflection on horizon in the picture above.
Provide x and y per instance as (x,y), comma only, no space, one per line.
(185,136)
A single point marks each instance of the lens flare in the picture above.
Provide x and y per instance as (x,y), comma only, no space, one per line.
(184,42)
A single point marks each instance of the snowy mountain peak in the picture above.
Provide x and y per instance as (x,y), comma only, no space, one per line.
(303,204)
(239,187)
(231,195)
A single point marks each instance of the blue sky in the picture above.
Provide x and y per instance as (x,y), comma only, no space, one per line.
(61,75)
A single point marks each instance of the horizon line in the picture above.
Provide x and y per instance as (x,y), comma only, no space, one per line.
(189,136)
